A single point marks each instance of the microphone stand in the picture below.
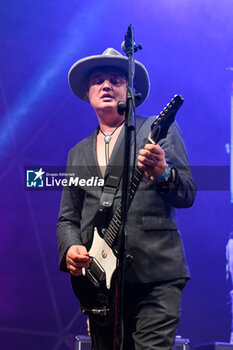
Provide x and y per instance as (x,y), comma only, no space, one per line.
(130,48)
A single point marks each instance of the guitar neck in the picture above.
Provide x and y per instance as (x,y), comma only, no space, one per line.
(159,130)
(116,221)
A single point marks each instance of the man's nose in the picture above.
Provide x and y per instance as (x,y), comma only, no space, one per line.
(107,85)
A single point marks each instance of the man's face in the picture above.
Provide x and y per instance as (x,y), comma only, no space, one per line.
(106,88)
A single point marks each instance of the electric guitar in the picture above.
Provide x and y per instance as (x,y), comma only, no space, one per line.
(95,288)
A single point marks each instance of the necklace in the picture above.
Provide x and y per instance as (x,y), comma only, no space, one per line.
(107,139)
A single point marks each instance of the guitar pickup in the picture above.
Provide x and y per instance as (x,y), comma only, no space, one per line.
(97,270)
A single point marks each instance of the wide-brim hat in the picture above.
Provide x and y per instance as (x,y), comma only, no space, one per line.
(79,72)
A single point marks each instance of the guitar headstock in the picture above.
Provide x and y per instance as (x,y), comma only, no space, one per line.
(163,121)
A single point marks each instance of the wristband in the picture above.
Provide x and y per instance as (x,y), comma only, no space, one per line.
(165,174)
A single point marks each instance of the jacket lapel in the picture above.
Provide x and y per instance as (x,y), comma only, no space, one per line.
(90,156)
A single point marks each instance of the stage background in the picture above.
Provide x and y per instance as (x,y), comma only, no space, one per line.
(187,48)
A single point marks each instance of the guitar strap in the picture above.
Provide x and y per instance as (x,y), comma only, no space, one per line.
(112,178)
(114,171)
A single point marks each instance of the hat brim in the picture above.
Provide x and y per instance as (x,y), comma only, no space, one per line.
(81,69)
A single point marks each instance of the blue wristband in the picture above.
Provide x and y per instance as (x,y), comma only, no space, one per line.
(165,173)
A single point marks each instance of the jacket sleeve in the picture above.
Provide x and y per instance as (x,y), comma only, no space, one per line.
(181,192)
(68,226)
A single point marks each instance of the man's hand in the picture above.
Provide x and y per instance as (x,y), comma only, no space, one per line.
(152,160)
(77,258)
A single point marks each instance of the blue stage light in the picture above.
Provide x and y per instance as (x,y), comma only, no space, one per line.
(75,38)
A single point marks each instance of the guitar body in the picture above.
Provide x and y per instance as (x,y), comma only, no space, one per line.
(97,298)
(93,299)
(103,254)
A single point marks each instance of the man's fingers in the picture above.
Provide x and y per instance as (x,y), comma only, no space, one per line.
(153,148)
(147,161)
(151,159)
(77,250)
(77,258)
(75,272)
(152,153)
(76,268)
(80,258)
(79,263)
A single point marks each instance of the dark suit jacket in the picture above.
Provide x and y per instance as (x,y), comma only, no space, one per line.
(153,237)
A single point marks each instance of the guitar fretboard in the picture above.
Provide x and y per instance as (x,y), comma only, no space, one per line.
(115,224)
(159,131)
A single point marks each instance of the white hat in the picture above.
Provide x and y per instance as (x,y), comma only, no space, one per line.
(81,69)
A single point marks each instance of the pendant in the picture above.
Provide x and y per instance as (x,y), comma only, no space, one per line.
(107,138)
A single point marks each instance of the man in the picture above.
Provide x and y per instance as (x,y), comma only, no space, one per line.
(158,272)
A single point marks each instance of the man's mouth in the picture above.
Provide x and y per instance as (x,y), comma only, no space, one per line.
(106,96)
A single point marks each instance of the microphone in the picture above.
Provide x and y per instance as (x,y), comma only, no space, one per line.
(136,47)
(121,107)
